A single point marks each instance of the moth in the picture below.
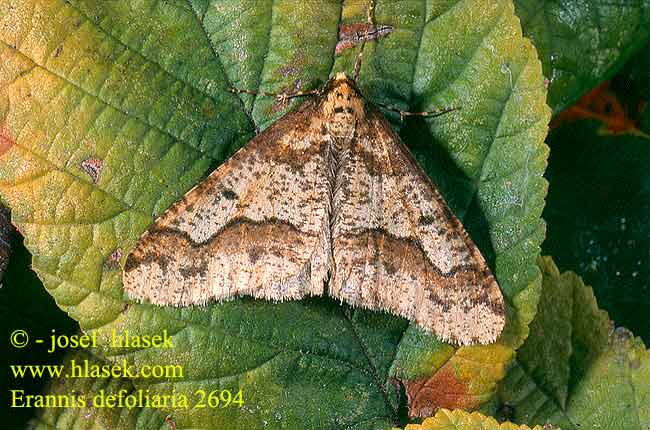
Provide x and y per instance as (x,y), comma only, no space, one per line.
(327,200)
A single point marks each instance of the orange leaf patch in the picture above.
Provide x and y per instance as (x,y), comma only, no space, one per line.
(6,142)
(604,105)
(443,390)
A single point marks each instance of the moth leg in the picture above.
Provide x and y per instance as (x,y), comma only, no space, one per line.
(283,96)
(357,70)
(431,114)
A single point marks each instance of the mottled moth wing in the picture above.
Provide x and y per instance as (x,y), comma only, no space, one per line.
(258,225)
(398,247)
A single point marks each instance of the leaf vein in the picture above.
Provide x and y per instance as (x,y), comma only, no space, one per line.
(149,59)
(371,365)
(117,108)
(265,56)
(220,62)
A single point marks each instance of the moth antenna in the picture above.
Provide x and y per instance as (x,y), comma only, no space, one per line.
(371,22)
(431,114)
(280,96)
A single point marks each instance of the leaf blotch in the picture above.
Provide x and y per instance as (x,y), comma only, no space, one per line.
(443,390)
(6,142)
(93,167)
(113,260)
(353,34)
(170,422)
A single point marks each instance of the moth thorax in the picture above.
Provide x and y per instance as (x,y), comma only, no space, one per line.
(341,125)
(342,108)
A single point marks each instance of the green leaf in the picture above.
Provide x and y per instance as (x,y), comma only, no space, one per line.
(94,392)
(461,420)
(89,401)
(597,210)
(112,110)
(644,121)
(583,43)
(575,370)
(636,75)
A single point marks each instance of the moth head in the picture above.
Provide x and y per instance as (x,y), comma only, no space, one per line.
(342,106)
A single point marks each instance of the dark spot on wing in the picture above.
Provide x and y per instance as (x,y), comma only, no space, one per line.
(426,220)
(254,254)
(229,194)
(199,269)
(391,268)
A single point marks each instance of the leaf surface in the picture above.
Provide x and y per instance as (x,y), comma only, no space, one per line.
(461,420)
(583,43)
(575,370)
(100,409)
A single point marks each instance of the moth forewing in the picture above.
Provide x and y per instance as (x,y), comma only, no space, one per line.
(256,226)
